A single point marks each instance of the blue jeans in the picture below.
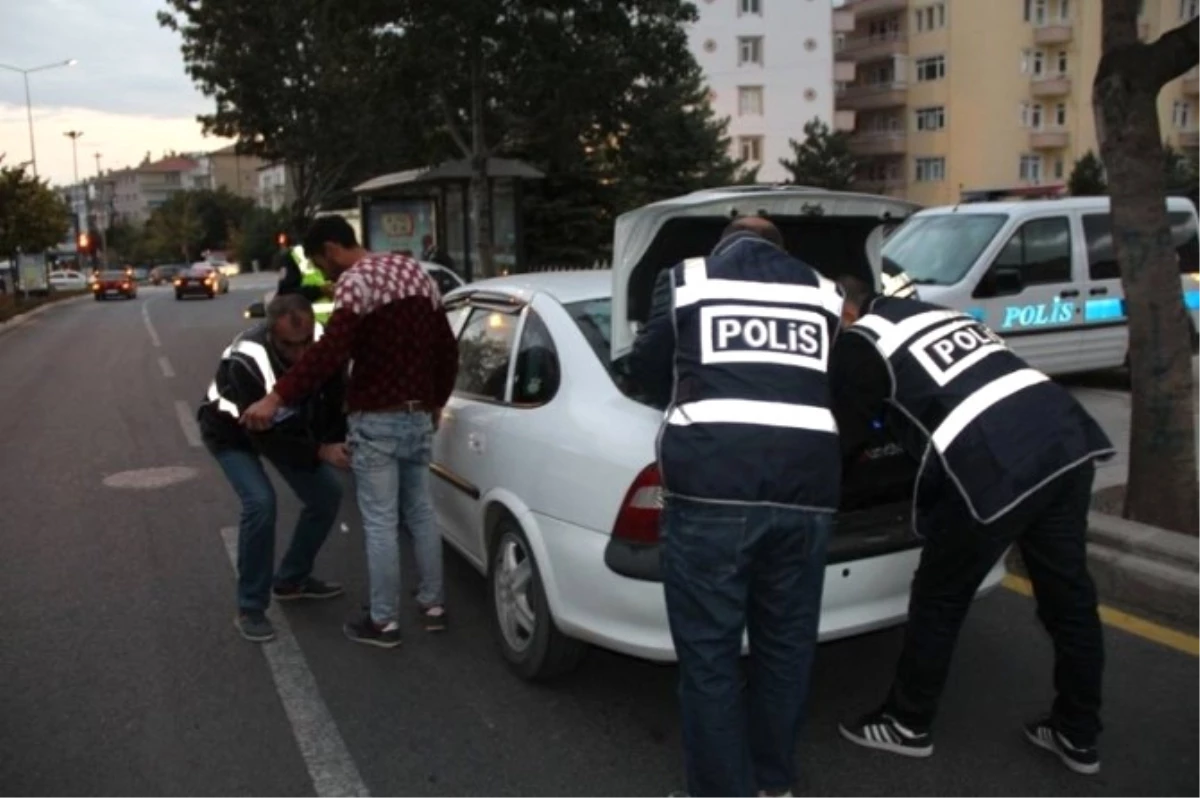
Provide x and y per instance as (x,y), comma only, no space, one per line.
(390,454)
(320,491)
(728,569)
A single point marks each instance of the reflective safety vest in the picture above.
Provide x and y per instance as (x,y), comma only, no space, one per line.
(999,429)
(310,275)
(250,350)
(749,420)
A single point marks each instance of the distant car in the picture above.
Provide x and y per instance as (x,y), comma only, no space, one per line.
(166,274)
(200,280)
(68,280)
(139,273)
(113,283)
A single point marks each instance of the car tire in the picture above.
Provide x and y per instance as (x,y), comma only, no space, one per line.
(99,298)
(212,294)
(178,296)
(544,652)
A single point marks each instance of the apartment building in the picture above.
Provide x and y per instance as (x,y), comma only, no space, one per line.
(275,188)
(955,97)
(138,191)
(227,169)
(769,67)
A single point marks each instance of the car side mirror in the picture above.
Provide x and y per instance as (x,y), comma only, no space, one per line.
(1002,281)
(256,310)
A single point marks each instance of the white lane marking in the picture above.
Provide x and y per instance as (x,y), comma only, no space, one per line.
(191,430)
(149,324)
(325,754)
(165,365)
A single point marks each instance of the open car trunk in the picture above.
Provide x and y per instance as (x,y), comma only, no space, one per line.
(836,233)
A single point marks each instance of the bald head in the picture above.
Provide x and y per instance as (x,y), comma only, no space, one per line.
(761,227)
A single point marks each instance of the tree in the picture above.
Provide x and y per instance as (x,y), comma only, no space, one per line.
(176,228)
(823,159)
(1162,487)
(1087,177)
(32,217)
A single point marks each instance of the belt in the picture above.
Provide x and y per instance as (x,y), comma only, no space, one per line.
(411,406)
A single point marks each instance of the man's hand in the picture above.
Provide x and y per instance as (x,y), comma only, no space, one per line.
(336,454)
(261,414)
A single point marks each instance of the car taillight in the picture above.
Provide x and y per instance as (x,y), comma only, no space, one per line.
(179,282)
(637,521)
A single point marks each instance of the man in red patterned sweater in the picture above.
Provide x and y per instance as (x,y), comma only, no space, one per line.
(388,320)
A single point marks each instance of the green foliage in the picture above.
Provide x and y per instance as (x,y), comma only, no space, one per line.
(32,217)
(1087,177)
(823,159)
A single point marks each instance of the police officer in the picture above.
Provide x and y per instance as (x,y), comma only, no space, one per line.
(736,347)
(1006,456)
(302,277)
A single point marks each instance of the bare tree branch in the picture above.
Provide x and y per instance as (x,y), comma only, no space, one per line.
(451,126)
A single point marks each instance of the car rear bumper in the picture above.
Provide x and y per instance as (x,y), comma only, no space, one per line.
(593,603)
(198,290)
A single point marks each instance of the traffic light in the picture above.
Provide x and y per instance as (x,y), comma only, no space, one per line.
(84,242)
(281,239)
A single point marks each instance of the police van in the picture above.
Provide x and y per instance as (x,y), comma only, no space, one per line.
(1043,274)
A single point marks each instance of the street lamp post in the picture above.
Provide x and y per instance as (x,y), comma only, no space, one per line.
(74,135)
(25,73)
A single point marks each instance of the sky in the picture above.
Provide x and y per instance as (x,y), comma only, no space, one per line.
(128,93)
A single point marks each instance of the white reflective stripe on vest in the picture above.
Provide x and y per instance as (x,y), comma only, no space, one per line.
(978,403)
(892,335)
(223,404)
(745,411)
(318,331)
(698,287)
(258,353)
(323,307)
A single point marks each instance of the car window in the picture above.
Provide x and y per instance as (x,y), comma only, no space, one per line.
(456,316)
(1102,258)
(940,249)
(484,352)
(536,375)
(1040,250)
(594,319)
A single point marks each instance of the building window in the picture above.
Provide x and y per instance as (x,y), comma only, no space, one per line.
(1064,10)
(1062,62)
(931,170)
(1039,63)
(1188,9)
(1059,168)
(931,118)
(750,7)
(932,68)
(750,50)
(1060,115)
(750,148)
(1039,12)
(931,17)
(1181,115)
(750,100)
(883,30)
(1030,170)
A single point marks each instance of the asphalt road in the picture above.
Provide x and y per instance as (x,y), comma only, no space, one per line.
(121,673)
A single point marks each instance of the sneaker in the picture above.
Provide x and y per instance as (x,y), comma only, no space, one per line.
(254,626)
(1081,760)
(433,618)
(881,731)
(310,588)
(364,630)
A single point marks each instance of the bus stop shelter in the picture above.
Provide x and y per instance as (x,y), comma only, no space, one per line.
(399,209)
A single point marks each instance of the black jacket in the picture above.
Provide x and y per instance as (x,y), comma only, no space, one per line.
(293,442)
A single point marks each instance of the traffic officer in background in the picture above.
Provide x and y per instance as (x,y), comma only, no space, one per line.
(736,347)
(305,445)
(302,277)
(1006,456)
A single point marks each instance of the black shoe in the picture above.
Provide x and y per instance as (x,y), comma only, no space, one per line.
(881,731)
(254,626)
(310,588)
(1079,759)
(433,618)
(365,630)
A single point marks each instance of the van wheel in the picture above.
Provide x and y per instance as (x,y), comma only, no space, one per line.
(525,631)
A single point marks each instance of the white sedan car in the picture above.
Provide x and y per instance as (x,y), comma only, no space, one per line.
(68,280)
(544,461)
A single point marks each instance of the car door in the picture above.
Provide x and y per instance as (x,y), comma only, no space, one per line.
(1031,293)
(471,420)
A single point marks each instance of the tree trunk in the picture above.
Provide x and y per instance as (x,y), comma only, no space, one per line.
(479,175)
(1162,487)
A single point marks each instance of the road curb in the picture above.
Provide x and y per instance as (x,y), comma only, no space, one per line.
(1152,572)
(17,321)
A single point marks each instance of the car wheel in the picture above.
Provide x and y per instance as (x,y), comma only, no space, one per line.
(99,298)
(524,629)
(178,296)
(212,294)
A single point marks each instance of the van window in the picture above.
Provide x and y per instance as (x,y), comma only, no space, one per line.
(940,250)
(1040,250)
(1102,260)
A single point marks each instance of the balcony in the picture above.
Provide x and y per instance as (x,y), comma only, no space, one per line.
(873,96)
(872,48)
(843,121)
(871,8)
(844,71)
(1049,139)
(1051,86)
(843,21)
(1189,140)
(1191,83)
(1053,33)
(883,142)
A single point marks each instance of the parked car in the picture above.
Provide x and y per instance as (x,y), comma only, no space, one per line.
(200,280)
(68,280)
(545,465)
(113,283)
(166,274)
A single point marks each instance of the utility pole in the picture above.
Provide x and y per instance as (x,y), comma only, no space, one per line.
(74,136)
(102,215)
(25,73)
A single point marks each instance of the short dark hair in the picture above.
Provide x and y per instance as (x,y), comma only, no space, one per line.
(856,290)
(293,307)
(331,229)
(761,227)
